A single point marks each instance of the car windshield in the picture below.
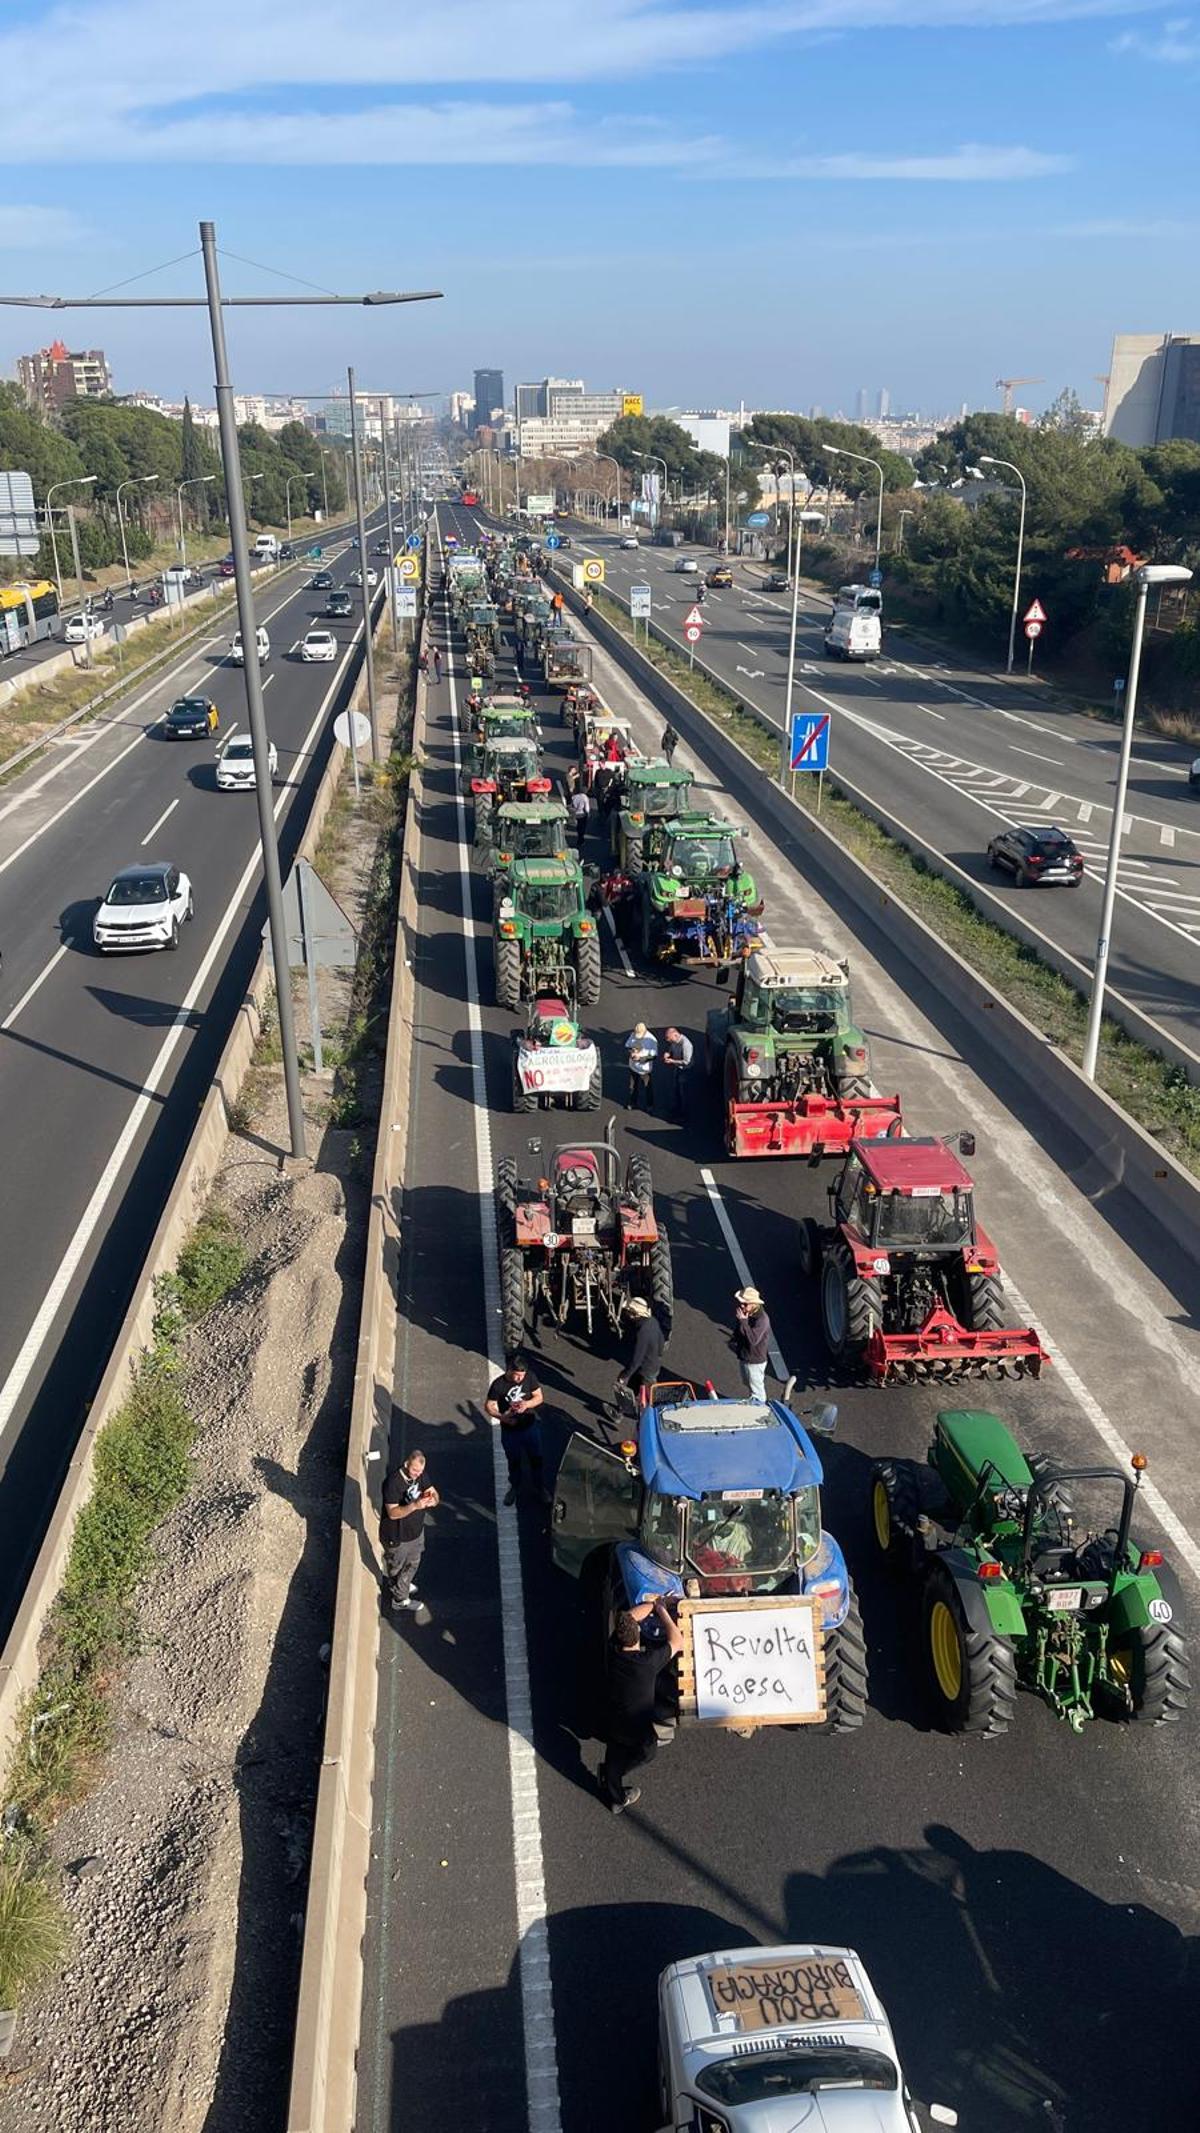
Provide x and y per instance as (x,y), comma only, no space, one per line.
(138,889)
(189,707)
(795,2072)
(534,840)
(1053,847)
(558,900)
(942,1218)
(656,799)
(795,1007)
(240,747)
(508,726)
(703,855)
(515,762)
(750,1534)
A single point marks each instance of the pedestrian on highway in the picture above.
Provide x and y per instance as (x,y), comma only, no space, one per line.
(437,662)
(645,1357)
(670,742)
(581,813)
(641,1050)
(752,1341)
(407,1502)
(513,1401)
(676,1056)
(639,1699)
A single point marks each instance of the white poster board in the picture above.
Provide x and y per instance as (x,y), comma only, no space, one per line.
(753,1662)
(552,1070)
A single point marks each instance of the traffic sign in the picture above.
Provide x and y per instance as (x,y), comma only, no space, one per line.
(639,602)
(693,619)
(315,554)
(593,570)
(553,540)
(351,728)
(758,518)
(1033,629)
(876,578)
(810,740)
(406,602)
(693,632)
(410,567)
(415,540)
(1036,613)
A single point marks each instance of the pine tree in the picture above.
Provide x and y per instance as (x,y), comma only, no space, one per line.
(192,456)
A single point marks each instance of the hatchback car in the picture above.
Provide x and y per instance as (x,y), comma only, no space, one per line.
(320,581)
(82,629)
(339,602)
(777,581)
(629,540)
(235,766)
(1035,855)
(144,907)
(687,567)
(225,567)
(372,577)
(319,644)
(720,574)
(192,718)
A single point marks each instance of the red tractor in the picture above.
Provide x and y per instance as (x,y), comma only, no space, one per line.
(582,1238)
(910,1282)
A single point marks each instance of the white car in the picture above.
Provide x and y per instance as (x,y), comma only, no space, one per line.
(180,573)
(319,644)
(237,650)
(687,566)
(761,2040)
(372,578)
(82,629)
(235,764)
(144,908)
(630,540)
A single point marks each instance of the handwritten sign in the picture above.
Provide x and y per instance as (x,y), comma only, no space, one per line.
(774,1995)
(753,1662)
(558,1072)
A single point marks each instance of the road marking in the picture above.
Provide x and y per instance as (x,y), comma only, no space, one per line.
(931,713)
(1052,799)
(1085,811)
(28,994)
(626,965)
(269,679)
(1057,760)
(1166,834)
(158,825)
(1019,792)
(741,1265)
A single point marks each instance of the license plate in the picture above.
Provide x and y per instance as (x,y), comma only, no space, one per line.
(582,1228)
(1066,1600)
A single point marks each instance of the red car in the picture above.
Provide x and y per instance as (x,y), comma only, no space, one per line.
(225,567)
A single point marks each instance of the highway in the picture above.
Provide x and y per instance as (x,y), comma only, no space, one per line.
(956,753)
(1026,1906)
(104,1061)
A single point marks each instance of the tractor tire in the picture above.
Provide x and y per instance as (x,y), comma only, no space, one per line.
(846,1674)
(506,1199)
(639,1182)
(1059,1496)
(851,1308)
(808,1249)
(508,973)
(1154,1681)
(512,1299)
(973,1675)
(483,818)
(635,858)
(895,1510)
(523,1100)
(662,1283)
(587,969)
(590,1099)
(854,1085)
(984,1303)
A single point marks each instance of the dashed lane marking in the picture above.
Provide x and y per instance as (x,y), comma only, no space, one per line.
(30,990)
(626,965)
(740,1261)
(158,825)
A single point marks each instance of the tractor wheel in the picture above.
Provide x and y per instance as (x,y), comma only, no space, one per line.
(635,861)
(506,1199)
(895,1510)
(483,818)
(587,969)
(846,1674)
(851,1308)
(512,1298)
(508,973)
(639,1182)
(589,1099)
(854,1085)
(1151,1680)
(1058,1498)
(985,1303)
(973,1674)
(662,1283)
(523,1099)
(809,1249)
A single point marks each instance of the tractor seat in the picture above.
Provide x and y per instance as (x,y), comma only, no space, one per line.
(548,1009)
(576,1159)
(1055,1562)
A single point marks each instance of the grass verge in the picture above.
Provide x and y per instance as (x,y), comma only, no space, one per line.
(1153,1090)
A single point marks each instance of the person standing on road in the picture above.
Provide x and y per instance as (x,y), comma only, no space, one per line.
(407,1502)
(513,1401)
(634,1695)
(641,1050)
(752,1341)
(645,1356)
(581,813)
(670,742)
(437,662)
(676,1057)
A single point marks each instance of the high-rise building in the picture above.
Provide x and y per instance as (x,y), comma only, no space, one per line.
(1153,390)
(883,405)
(489,395)
(860,404)
(461,407)
(53,377)
(529,402)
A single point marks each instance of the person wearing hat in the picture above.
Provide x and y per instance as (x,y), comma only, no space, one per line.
(752,1340)
(641,1050)
(645,1355)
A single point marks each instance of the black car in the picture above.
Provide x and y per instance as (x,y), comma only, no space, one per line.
(192,718)
(287,553)
(321,581)
(1038,855)
(339,602)
(777,581)
(564,540)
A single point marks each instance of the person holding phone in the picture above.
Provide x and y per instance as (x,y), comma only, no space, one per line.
(407,1502)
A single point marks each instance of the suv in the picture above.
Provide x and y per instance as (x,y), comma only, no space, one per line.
(143,907)
(1036,855)
(338,603)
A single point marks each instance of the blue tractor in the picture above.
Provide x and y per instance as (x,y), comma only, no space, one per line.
(715,1501)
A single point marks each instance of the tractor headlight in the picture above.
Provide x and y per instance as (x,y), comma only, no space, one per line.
(754,1072)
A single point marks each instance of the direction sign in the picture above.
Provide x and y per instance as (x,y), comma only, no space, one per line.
(810,740)
(693,619)
(415,541)
(758,518)
(19,532)
(593,570)
(639,602)
(406,602)
(1033,629)
(876,578)
(1036,613)
(553,540)
(693,632)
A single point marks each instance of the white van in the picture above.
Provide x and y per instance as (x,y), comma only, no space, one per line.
(237,650)
(266,548)
(860,599)
(853,633)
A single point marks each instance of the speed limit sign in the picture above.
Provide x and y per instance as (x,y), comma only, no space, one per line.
(593,570)
(409,567)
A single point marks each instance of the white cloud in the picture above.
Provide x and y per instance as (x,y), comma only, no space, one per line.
(970,164)
(1177,44)
(24,229)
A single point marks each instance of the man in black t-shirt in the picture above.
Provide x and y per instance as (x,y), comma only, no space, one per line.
(634,1692)
(407,1502)
(513,1400)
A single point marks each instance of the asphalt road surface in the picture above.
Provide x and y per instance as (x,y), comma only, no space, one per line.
(957,754)
(106,1060)
(1027,1905)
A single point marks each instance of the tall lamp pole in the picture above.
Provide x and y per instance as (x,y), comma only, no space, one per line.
(194,481)
(287,499)
(356,454)
(781,451)
(986,460)
(75,481)
(838,451)
(1149,574)
(133,482)
(608,459)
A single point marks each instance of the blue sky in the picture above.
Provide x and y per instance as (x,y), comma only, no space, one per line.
(779,201)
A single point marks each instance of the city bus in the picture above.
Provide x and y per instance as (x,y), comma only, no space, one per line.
(27,613)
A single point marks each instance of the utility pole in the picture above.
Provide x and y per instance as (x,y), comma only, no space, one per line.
(368,656)
(391,532)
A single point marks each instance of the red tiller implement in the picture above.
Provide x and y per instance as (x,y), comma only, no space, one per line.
(810,1125)
(943,1351)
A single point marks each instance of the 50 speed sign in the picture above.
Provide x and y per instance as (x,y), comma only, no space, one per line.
(593,570)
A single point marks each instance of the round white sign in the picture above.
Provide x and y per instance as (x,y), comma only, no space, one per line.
(348,723)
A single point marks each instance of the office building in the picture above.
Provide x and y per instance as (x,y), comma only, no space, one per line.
(489,396)
(708,429)
(461,408)
(54,376)
(1153,390)
(860,404)
(883,405)
(529,402)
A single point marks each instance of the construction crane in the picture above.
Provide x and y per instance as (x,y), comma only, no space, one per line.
(1006,387)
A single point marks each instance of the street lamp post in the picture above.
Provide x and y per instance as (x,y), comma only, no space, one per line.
(246,481)
(838,451)
(782,452)
(986,460)
(133,482)
(287,499)
(76,481)
(194,481)
(1149,574)
(660,462)
(368,659)
(391,530)
(608,459)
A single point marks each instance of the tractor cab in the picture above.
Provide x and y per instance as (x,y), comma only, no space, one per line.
(793,993)
(908,1196)
(530,829)
(546,892)
(700,850)
(655,789)
(509,766)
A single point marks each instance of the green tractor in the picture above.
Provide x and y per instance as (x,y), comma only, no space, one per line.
(653,794)
(697,906)
(544,936)
(497,722)
(507,769)
(1029,1578)
(522,829)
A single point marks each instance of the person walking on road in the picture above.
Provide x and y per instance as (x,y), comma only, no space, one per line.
(752,1341)
(407,1501)
(645,1356)
(670,742)
(437,662)
(513,1401)
(676,1056)
(637,1693)
(581,813)
(641,1050)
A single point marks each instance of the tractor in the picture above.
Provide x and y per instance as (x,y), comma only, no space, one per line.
(697,906)
(476,705)
(793,1066)
(653,793)
(910,1282)
(507,770)
(717,1503)
(606,748)
(580,1240)
(496,722)
(544,934)
(553,1062)
(568,664)
(1029,1578)
(522,829)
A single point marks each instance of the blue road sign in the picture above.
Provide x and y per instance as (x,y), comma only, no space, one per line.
(553,540)
(314,555)
(810,740)
(876,579)
(758,518)
(414,541)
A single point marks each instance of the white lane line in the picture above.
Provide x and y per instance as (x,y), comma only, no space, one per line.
(1085,811)
(626,965)
(930,712)
(1052,799)
(740,1262)
(1057,760)
(1019,792)
(158,825)
(268,679)
(537,1993)
(31,1347)
(1166,834)
(40,979)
